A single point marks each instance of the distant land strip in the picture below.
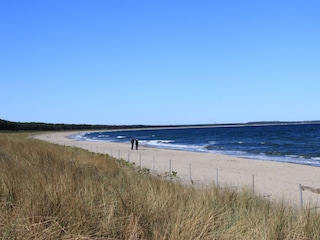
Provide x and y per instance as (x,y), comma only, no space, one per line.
(6,125)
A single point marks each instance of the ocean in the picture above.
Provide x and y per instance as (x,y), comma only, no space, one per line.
(293,143)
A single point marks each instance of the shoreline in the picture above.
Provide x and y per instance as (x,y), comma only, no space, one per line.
(263,156)
(273,180)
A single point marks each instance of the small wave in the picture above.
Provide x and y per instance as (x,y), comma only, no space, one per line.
(170,144)
(121,137)
(103,136)
(157,142)
(162,141)
(77,137)
(83,137)
(292,156)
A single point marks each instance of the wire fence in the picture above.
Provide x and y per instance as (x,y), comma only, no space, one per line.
(185,173)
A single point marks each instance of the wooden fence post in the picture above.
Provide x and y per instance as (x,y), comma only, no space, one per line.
(217,177)
(301,197)
(253,183)
(153,163)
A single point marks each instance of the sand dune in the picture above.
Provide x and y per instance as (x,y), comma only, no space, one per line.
(273,180)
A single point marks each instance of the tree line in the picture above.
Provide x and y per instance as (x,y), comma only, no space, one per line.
(39,126)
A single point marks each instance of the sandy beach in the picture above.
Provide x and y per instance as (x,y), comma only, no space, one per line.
(273,180)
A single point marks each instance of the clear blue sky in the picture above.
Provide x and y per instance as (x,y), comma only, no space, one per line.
(159,62)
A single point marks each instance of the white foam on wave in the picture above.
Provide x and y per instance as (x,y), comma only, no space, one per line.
(77,137)
(163,143)
(287,159)
(170,144)
(121,137)
(80,137)
(102,136)
(295,159)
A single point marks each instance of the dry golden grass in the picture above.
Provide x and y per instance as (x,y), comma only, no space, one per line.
(55,192)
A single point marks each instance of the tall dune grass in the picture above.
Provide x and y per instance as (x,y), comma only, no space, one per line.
(56,192)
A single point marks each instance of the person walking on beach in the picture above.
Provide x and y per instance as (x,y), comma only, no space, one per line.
(137,143)
(132,143)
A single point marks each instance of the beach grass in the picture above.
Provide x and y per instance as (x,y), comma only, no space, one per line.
(49,191)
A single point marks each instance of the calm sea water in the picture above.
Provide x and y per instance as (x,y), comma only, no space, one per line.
(285,143)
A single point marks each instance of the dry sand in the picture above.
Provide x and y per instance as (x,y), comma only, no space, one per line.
(273,180)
